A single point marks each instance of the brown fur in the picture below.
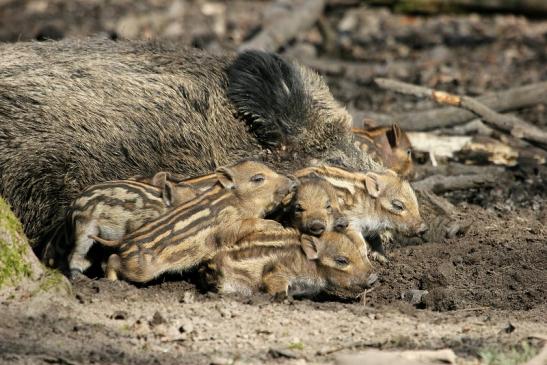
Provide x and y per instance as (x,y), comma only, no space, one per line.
(315,208)
(389,146)
(113,209)
(371,201)
(75,113)
(195,231)
(281,261)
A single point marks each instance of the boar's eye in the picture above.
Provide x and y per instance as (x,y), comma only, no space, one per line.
(398,205)
(341,260)
(258,178)
(298,208)
(329,206)
(409,153)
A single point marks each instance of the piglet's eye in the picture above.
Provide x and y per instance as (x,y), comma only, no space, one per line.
(409,153)
(257,178)
(298,208)
(328,206)
(398,205)
(341,260)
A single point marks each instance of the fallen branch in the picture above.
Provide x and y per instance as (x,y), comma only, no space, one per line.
(508,123)
(516,98)
(414,357)
(441,184)
(289,20)
(534,7)
(454,168)
(358,72)
(351,345)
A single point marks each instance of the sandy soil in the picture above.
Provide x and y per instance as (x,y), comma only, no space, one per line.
(478,286)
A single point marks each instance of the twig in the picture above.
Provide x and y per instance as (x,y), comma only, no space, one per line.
(288,22)
(363,296)
(472,309)
(435,7)
(351,345)
(516,126)
(502,101)
(440,184)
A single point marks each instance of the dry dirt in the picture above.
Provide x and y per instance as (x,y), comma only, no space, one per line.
(479,285)
(487,287)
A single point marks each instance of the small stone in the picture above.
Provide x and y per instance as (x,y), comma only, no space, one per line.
(372,279)
(414,296)
(188,298)
(509,328)
(157,319)
(186,328)
(140,328)
(225,313)
(80,299)
(277,352)
(119,315)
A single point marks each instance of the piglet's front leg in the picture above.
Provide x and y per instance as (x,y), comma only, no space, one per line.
(276,284)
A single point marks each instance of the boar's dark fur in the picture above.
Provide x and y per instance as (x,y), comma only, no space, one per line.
(75,113)
(267,77)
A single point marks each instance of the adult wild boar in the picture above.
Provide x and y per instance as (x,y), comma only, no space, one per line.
(76,113)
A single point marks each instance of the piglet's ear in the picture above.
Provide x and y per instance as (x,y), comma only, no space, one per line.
(394,135)
(159,179)
(375,184)
(226,177)
(168,194)
(310,246)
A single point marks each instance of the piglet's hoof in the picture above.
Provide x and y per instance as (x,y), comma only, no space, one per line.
(76,274)
(377,256)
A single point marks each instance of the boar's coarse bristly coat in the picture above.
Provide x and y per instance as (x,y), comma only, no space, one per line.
(76,113)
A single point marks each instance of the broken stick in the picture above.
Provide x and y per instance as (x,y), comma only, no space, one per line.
(501,101)
(289,20)
(441,184)
(508,123)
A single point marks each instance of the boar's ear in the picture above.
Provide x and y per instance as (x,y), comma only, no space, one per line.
(311,246)
(226,177)
(268,94)
(375,184)
(394,135)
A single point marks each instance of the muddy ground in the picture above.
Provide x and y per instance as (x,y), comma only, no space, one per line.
(486,288)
